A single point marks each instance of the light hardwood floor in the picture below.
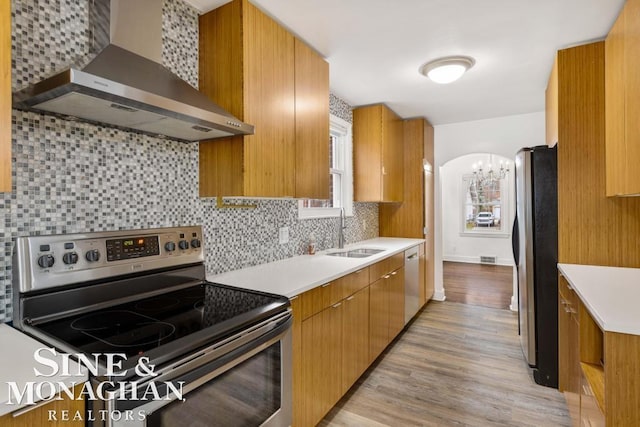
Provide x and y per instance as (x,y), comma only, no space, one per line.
(455,365)
(478,284)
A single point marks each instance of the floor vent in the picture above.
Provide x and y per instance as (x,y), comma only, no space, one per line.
(486,259)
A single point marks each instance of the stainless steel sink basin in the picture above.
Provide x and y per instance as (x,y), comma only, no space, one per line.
(366,251)
(356,253)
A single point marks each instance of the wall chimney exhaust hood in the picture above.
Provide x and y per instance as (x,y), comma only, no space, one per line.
(121,82)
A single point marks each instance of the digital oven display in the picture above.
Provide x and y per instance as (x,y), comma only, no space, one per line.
(132,247)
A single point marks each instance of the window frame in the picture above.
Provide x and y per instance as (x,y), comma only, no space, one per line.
(505,215)
(342,129)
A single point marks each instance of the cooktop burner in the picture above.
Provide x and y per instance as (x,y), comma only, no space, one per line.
(137,327)
(123,328)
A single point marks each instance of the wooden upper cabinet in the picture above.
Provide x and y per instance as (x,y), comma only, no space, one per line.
(5,96)
(551,106)
(259,72)
(311,123)
(622,103)
(378,154)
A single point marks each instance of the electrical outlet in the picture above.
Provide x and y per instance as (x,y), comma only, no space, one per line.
(283,235)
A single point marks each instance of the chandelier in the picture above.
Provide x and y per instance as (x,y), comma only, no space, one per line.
(485,178)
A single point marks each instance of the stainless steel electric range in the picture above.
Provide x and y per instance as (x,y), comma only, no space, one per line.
(215,354)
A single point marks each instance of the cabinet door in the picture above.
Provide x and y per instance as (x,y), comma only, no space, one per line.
(355,337)
(298,371)
(378,317)
(396,302)
(615,145)
(5,96)
(311,123)
(367,153)
(392,156)
(269,154)
(322,359)
(40,416)
(563,343)
(551,106)
(631,13)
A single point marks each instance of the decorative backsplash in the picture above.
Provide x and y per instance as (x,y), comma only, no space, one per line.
(74,177)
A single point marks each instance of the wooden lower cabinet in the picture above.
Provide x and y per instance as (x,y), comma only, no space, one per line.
(296,357)
(378,317)
(568,348)
(339,329)
(396,303)
(66,413)
(355,337)
(386,311)
(321,360)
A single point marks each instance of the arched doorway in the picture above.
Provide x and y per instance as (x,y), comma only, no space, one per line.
(477,209)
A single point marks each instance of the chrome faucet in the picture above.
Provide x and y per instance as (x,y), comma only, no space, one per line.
(343,225)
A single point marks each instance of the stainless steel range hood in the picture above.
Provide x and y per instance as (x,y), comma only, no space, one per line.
(121,82)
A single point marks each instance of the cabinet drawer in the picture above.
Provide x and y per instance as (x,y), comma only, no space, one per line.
(568,297)
(386,266)
(317,299)
(352,283)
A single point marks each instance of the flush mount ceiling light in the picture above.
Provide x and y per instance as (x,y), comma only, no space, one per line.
(447,70)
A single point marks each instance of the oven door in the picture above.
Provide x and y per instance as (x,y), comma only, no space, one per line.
(243,381)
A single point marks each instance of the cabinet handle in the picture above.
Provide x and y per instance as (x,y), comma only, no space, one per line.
(386,276)
(326,284)
(30,408)
(350,298)
(384,171)
(359,271)
(394,273)
(412,256)
(336,305)
(292,298)
(569,286)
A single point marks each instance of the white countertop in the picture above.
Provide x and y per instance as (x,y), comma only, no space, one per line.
(17,365)
(293,276)
(611,295)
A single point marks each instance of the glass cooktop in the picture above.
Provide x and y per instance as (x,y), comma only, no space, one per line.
(137,327)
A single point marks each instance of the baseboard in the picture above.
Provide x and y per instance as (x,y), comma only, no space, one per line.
(507,262)
(439,295)
(514,303)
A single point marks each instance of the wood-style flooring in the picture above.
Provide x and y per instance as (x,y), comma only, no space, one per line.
(455,365)
(478,284)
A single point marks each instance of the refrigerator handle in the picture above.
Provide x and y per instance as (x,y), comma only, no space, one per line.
(515,243)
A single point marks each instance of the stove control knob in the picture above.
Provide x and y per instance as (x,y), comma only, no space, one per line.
(183,244)
(70,258)
(46,261)
(170,246)
(195,243)
(93,255)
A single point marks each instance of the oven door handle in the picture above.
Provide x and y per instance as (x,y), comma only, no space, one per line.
(205,372)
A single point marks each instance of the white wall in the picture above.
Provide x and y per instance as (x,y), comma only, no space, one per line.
(467,247)
(502,135)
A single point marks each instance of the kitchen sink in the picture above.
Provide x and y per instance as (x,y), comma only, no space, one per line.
(365,251)
(356,253)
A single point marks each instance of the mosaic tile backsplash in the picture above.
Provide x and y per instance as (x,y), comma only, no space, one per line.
(73,177)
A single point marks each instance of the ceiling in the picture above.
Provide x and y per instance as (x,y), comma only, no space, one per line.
(375,47)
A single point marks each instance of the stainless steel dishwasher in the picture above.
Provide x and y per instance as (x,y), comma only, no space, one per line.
(411,283)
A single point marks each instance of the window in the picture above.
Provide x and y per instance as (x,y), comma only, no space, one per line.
(340,178)
(485,205)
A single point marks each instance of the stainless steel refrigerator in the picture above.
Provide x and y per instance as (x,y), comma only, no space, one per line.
(535,251)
